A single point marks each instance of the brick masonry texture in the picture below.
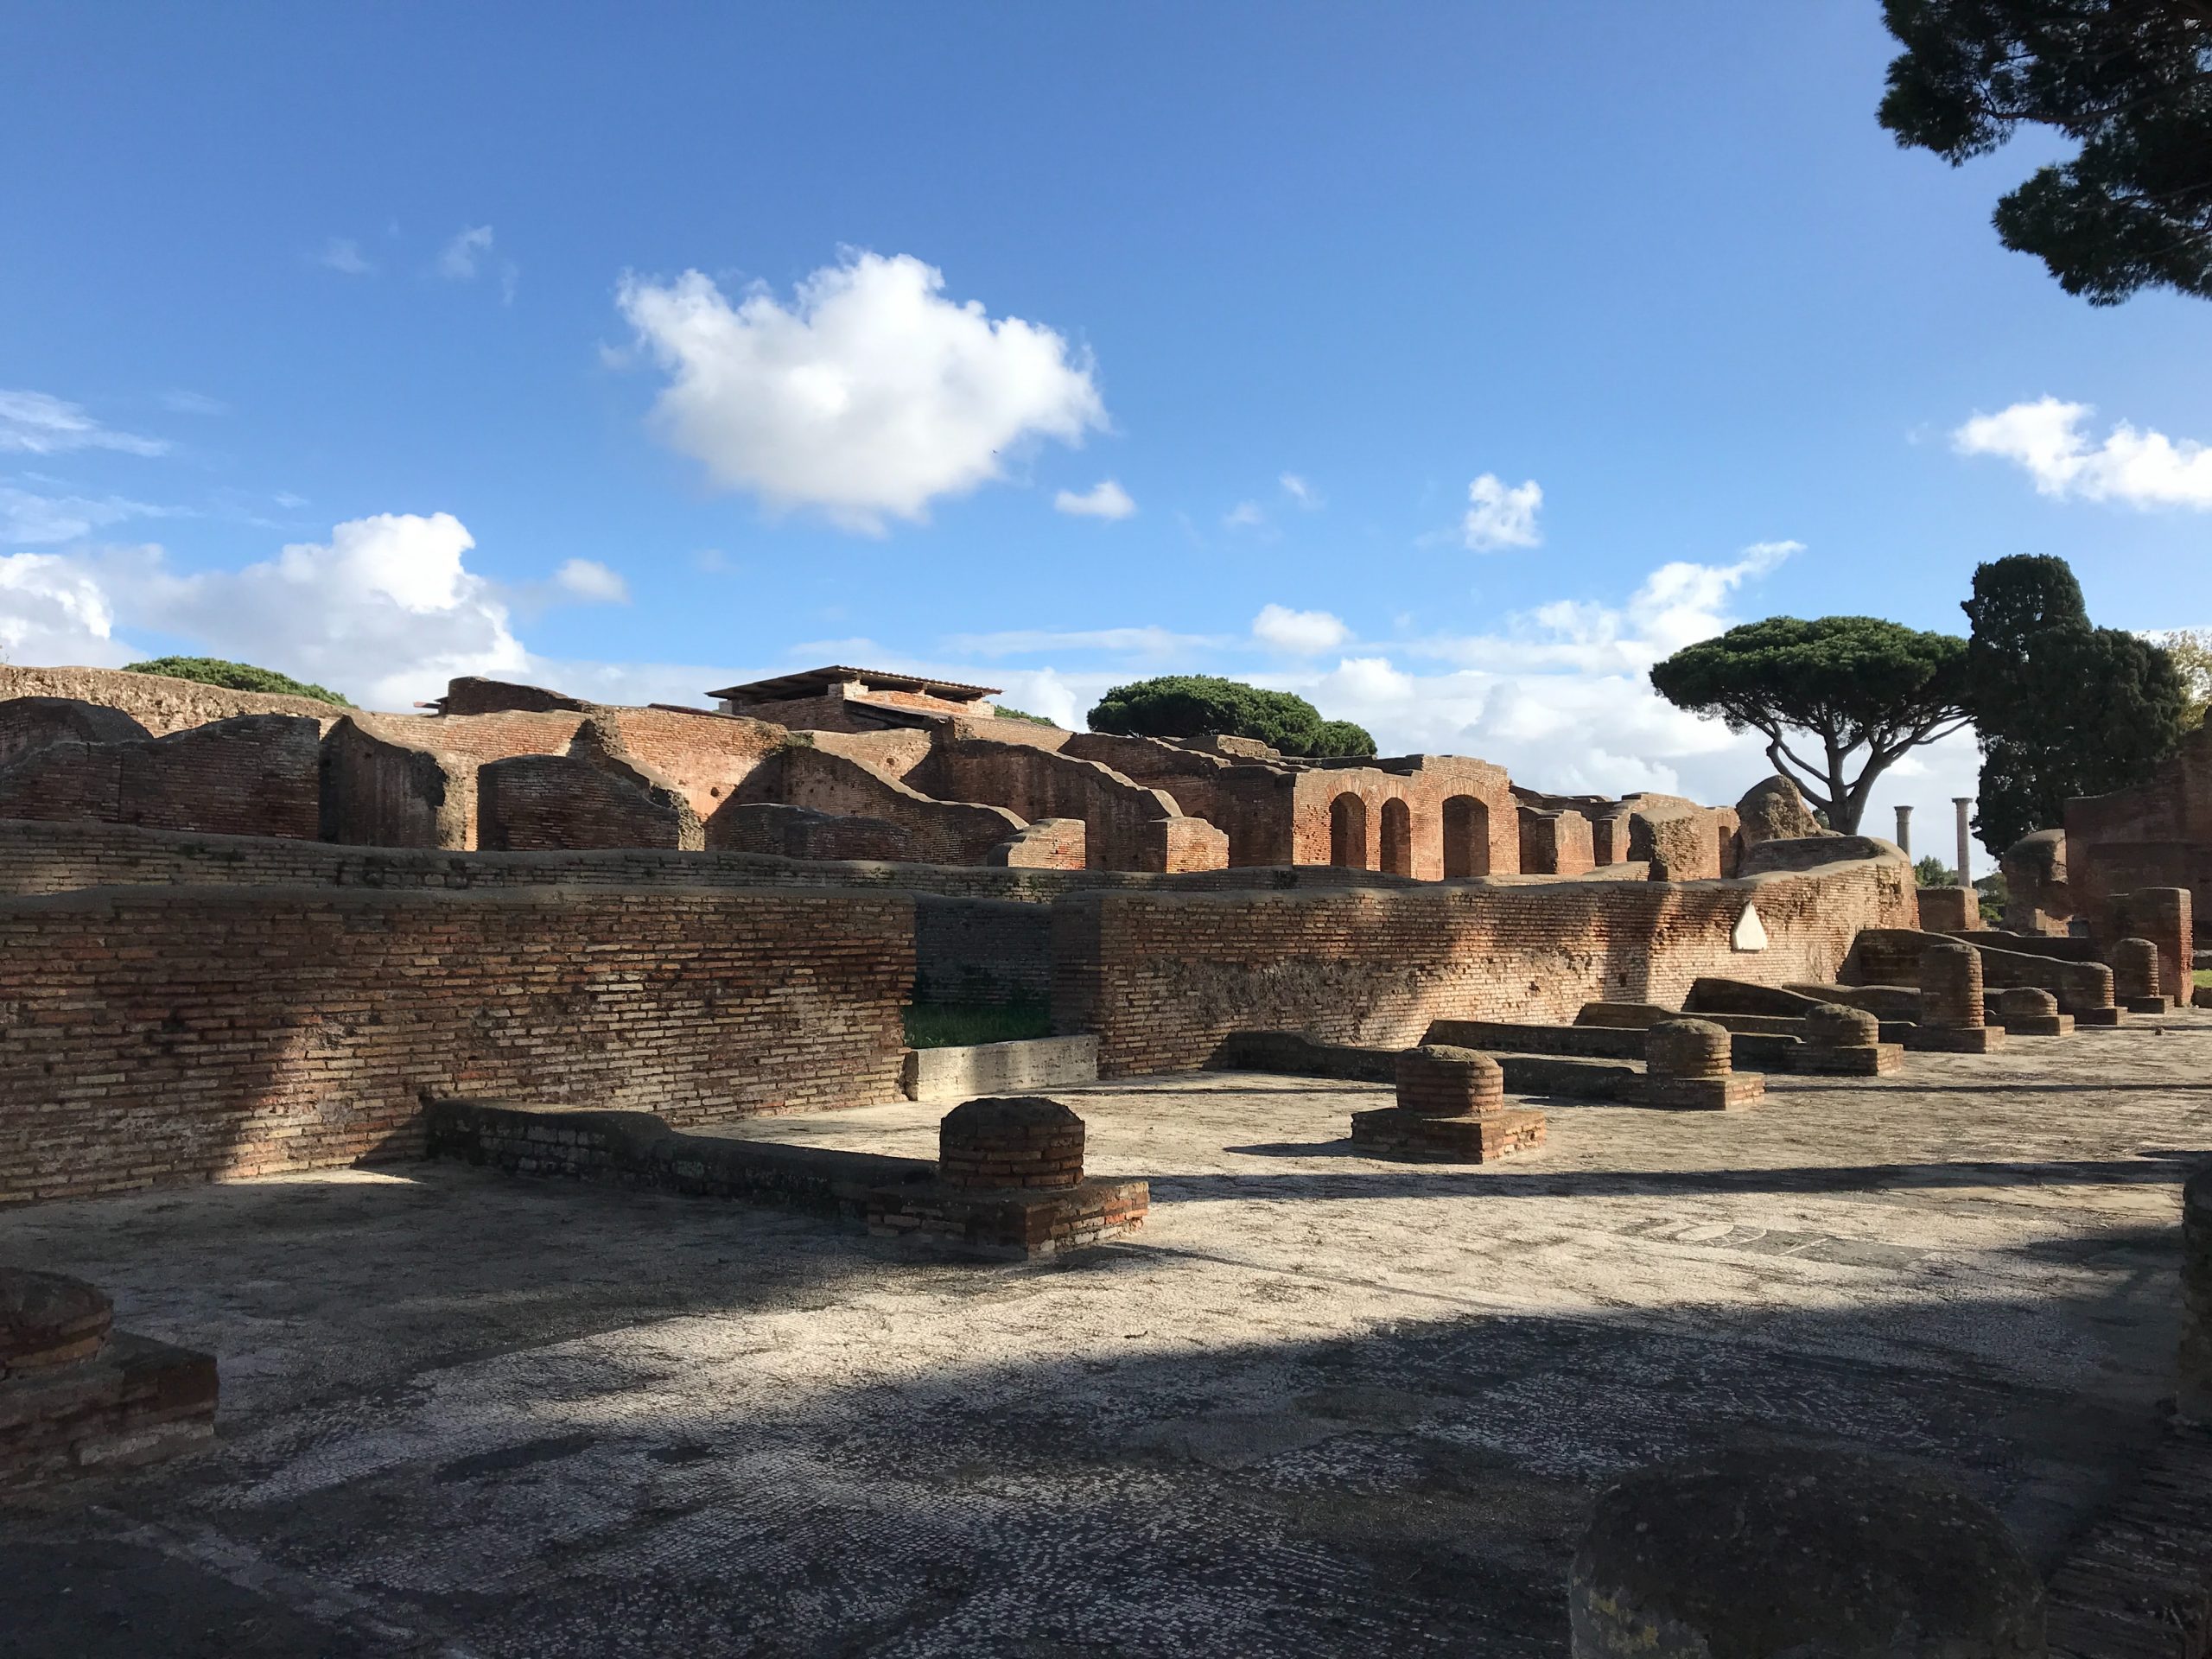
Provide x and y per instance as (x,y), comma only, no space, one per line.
(251,775)
(991,951)
(150,1036)
(1162,979)
(136,1401)
(48,857)
(28,723)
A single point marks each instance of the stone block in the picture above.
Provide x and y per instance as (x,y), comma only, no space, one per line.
(934,1074)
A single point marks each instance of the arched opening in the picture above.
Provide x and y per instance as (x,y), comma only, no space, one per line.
(1397,838)
(1466,837)
(1348,832)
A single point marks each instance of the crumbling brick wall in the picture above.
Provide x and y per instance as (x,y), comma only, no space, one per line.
(157,701)
(471,694)
(801,832)
(707,756)
(594,796)
(1555,843)
(2158,835)
(944,831)
(1162,978)
(377,793)
(150,1036)
(1127,825)
(31,723)
(250,775)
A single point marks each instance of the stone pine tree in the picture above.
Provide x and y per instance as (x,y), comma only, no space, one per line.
(2128,83)
(1206,705)
(1857,691)
(2063,708)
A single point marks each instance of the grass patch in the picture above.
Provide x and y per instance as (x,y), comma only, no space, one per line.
(2203,976)
(960,1025)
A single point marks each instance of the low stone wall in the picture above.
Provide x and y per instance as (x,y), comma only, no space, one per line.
(1893,955)
(150,1035)
(953,1074)
(1163,978)
(157,701)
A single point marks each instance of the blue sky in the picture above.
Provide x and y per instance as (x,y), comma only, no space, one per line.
(1296,279)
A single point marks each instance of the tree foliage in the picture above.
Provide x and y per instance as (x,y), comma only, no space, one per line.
(2063,708)
(1206,705)
(1850,683)
(2129,81)
(234,677)
(2191,649)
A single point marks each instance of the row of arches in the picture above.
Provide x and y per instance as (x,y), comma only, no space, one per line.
(1464,825)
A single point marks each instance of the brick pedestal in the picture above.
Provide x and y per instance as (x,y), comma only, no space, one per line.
(2135,976)
(2026,1012)
(1845,1042)
(1010,1183)
(75,1395)
(1451,1109)
(1687,1065)
(1952,1020)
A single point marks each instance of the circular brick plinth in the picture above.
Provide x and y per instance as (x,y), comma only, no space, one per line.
(1687,1048)
(2026,1002)
(1436,1080)
(1950,988)
(1023,1141)
(1799,1550)
(1834,1026)
(47,1319)
(2134,970)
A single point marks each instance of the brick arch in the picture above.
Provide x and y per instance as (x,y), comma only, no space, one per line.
(1467,836)
(1397,837)
(1348,832)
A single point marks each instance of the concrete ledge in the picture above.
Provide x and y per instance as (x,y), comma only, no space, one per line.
(137,1401)
(956,1074)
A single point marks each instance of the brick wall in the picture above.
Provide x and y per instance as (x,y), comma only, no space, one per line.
(944,831)
(252,774)
(38,857)
(592,796)
(707,756)
(2158,835)
(801,832)
(30,723)
(159,704)
(987,951)
(1162,978)
(1127,825)
(379,793)
(150,1036)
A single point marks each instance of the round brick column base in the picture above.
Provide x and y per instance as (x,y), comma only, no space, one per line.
(1017,1141)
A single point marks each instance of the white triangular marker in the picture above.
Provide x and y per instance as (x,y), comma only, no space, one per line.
(1751,932)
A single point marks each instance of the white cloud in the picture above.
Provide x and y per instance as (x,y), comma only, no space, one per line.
(868,398)
(1104,499)
(589,579)
(342,253)
(458,260)
(53,610)
(33,423)
(1499,516)
(1302,493)
(1303,633)
(2135,468)
(29,518)
(1245,515)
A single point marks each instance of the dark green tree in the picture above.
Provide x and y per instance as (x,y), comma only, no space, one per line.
(234,677)
(1848,683)
(2129,82)
(2063,708)
(1206,705)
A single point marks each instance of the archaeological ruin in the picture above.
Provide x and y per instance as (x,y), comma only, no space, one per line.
(484,1180)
